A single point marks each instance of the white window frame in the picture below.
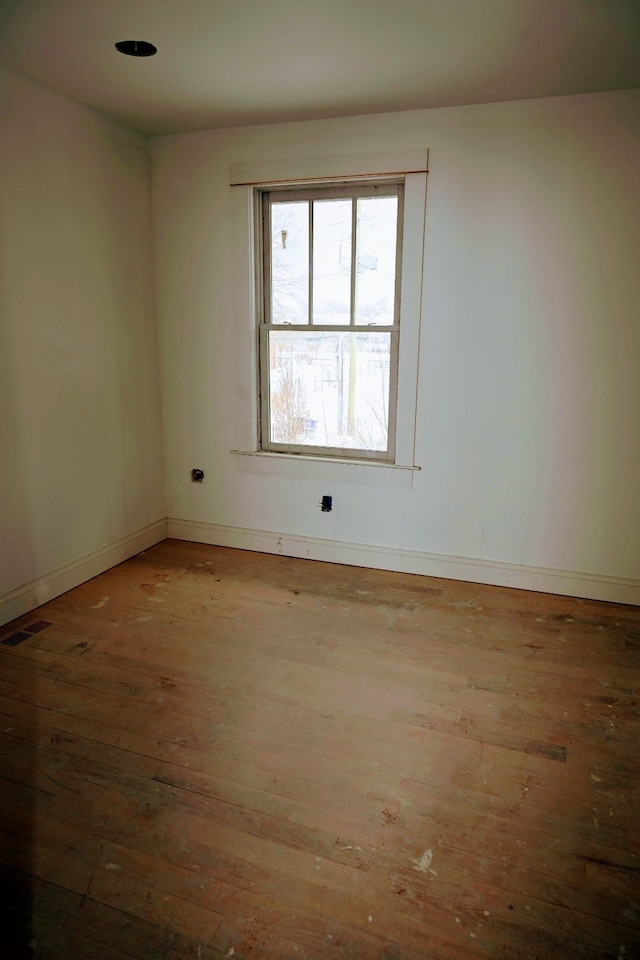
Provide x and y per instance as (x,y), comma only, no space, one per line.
(352,189)
(246,179)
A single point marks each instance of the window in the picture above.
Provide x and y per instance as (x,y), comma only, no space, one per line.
(329,318)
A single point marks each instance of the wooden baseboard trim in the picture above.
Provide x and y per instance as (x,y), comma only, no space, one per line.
(50,585)
(544,579)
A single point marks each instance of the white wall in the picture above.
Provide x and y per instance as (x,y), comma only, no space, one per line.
(81,479)
(528,428)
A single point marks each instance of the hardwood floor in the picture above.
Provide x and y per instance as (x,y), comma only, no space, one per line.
(211,753)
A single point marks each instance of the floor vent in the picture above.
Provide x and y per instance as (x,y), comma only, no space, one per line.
(15,639)
(38,626)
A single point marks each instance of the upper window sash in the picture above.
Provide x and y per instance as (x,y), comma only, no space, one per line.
(345,191)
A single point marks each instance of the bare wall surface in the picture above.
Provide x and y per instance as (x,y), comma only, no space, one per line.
(80,425)
(529,381)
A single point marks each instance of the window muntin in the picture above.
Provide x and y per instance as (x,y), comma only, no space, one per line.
(331,272)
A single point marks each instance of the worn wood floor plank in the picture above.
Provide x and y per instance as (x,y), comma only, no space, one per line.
(207,753)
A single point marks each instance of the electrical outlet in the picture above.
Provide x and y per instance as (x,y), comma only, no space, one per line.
(326,504)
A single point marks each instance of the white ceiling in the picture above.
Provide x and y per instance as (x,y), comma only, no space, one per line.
(227,63)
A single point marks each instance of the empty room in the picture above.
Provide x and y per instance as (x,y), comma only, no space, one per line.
(320,479)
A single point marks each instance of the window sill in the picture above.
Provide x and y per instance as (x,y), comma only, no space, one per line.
(309,467)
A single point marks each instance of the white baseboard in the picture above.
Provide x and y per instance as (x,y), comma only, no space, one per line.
(52,584)
(544,579)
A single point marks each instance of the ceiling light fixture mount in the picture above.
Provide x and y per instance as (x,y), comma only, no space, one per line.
(136,48)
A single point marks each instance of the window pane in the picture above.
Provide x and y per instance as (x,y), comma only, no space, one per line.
(332,261)
(330,389)
(376,232)
(290,262)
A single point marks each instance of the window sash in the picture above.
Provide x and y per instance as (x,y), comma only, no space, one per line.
(352,192)
(351,453)
(378,189)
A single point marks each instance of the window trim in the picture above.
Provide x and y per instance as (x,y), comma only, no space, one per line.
(244,178)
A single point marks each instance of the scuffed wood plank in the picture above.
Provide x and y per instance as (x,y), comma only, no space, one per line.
(289,759)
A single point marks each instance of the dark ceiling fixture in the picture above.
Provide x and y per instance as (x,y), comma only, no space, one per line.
(136,48)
